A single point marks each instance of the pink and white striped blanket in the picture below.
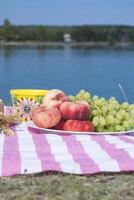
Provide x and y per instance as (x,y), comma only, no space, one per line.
(28,152)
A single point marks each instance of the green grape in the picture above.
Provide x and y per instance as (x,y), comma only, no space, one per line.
(112,99)
(95,98)
(98,102)
(128,128)
(103,100)
(111,106)
(104,109)
(117,121)
(83,95)
(102,121)
(82,91)
(122,113)
(95,112)
(125,124)
(95,121)
(100,128)
(87,97)
(119,128)
(72,98)
(119,116)
(113,112)
(131,122)
(125,106)
(122,128)
(88,94)
(110,129)
(78,96)
(105,129)
(131,114)
(110,119)
(131,107)
(127,116)
(116,104)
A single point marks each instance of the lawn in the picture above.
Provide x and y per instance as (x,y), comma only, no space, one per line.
(59,186)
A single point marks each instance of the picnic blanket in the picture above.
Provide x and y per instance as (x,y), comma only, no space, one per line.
(28,152)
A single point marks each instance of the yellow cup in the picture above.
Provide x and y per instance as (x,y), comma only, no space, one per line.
(24,100)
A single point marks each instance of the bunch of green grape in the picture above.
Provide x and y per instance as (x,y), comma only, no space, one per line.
(108,115)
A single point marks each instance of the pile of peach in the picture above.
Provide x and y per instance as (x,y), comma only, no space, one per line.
(58,112)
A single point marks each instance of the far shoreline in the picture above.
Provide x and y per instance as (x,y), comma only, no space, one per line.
(63,44)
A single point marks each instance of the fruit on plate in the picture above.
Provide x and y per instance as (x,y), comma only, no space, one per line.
(74,112)
(77,125)
(55,98)
(79,110)
(46,118)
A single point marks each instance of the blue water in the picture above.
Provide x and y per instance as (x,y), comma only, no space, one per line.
(96,70)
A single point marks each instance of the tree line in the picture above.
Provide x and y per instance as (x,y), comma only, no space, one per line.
(83,33)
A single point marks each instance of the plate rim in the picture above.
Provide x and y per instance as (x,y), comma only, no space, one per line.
(31,124)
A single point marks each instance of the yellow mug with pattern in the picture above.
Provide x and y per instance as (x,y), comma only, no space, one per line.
(24,100)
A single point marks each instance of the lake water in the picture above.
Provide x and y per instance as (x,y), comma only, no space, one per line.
(96,70)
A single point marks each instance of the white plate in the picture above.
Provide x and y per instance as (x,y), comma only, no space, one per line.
(30,124)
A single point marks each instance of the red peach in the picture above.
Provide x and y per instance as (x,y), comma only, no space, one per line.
(78,110)
(55,98)
(47,118)
(37,110)
(60,125)
(77,125)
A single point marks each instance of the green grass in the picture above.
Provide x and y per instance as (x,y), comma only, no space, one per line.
(59,186)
